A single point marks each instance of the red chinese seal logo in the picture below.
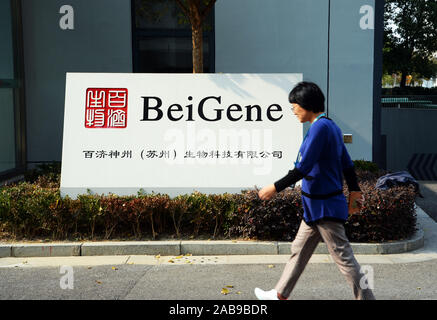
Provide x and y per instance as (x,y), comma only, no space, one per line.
(106,108)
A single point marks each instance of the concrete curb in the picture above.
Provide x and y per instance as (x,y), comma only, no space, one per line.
(414,243)
(5,251)
(194,247)
(229,247)
(130,248)
(46,250)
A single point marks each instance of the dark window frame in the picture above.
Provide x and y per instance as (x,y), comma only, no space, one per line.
(139,34)
(379,143)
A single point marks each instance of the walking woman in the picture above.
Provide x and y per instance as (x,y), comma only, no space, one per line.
(321,163)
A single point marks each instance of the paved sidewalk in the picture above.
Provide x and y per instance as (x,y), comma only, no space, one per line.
(429,202)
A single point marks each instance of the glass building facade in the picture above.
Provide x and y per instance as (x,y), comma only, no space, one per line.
(331,42)
(12,131)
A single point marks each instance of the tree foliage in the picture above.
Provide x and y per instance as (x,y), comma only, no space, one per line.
(410,38)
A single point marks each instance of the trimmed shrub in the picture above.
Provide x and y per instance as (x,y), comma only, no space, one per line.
(30,211)
(387,215)
(277,219)
(114,213)
(24,209)
(64,215)
(368,171)
(46,175)
(364,165)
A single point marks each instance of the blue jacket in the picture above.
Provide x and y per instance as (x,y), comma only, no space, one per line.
(400,178)
(323,159)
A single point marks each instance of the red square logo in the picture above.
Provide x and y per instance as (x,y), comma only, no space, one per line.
(106,108)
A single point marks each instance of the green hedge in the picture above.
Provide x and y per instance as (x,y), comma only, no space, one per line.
(28,211)
(35,210)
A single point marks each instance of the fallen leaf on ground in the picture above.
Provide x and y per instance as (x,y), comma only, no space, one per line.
(171,261)
(99,282)
(158,256)
(229,286)
(271,266)
(178,257)
(238,292)
(188,255)
(224,291)
(114,268)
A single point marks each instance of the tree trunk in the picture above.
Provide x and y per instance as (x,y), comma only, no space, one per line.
(197,37)
(403,79)
(194,12)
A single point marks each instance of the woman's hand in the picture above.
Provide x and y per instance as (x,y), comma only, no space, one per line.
(267,192)
(356,201)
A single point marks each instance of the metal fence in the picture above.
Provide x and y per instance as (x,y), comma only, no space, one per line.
(409,102)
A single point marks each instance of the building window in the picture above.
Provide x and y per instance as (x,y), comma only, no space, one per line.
(12,123)
(162,42)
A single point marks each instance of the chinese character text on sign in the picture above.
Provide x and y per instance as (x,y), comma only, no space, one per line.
(106,108)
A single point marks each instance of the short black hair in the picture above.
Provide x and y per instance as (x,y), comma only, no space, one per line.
(309,96)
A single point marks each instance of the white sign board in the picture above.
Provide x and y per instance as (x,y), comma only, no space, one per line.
(177,133)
